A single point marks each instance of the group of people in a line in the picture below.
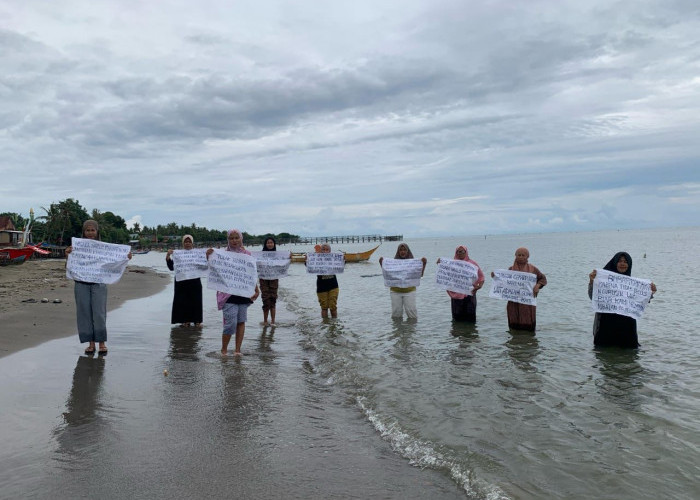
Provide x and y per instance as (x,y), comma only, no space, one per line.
(91,298)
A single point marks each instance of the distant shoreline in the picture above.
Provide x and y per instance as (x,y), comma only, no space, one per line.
(28,324)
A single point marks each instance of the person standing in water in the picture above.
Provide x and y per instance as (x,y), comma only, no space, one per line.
(269,288)
(187,301)
(523,316)
(327,289)
(615,330)
(404,298)
(234,307)
(464,306)
(91,302)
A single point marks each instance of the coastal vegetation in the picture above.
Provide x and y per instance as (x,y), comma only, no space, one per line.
(58,223)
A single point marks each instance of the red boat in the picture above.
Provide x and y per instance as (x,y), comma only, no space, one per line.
(15,255)
(14,245)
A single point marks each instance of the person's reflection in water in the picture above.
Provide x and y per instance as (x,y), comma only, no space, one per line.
(267,338)
(81,433)
(403,332)
(467,331)
(523,348)
(184,344)
(623,376)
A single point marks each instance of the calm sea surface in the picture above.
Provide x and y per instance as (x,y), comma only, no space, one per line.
(366,406)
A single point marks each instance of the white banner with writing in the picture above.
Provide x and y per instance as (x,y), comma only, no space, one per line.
(325,263)
(190,264)
(233,273)
(456,275)
(514,286)
(619,294)
(402,273)
(94,261)
(272,265)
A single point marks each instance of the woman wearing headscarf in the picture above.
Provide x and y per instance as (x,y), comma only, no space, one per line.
(404,298)
(234,307)
(91,302)
(609,329)
(268,288)
(524,316)
(464,306)
(187,301)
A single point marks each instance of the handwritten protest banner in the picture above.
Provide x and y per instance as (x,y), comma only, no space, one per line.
(325,263)
(456,275)
(190,264)
(620,294)
(402,273)
(515,286)
(94,261)
(233,273)
(272,265)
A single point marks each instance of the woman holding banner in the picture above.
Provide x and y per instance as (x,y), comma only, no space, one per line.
(268,288)
(91,302)
(234,307)
(404,298)
(464,306)
(187,301)
(609,329)
(524,316)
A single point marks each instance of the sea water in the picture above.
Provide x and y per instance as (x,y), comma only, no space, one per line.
(470,410)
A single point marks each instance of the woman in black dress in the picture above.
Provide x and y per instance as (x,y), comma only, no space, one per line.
(187,302)
(609,329)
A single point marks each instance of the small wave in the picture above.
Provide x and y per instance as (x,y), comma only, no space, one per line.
(423,454)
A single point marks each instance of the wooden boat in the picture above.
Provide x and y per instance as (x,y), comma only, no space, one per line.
(14,246)
(18,255)
(349,257)
(139,252)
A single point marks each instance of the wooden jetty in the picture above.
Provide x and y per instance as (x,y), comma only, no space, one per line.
(314,240)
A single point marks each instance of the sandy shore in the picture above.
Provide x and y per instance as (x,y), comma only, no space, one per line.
(26,322)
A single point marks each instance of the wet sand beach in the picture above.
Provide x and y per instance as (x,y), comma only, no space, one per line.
(26,322)
(165,416)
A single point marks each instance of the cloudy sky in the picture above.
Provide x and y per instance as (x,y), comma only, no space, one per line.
(423,118)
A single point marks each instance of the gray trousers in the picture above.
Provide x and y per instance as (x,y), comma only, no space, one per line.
(91,309)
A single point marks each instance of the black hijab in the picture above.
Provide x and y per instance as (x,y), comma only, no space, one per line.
(274,243)
(612,265)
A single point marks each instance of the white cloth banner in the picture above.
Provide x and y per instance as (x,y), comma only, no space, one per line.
(232,272)
(514,286)
(190,264)
(402,273)
(456,275)
(619,294)
(94,261)
(272,265)
(325,263)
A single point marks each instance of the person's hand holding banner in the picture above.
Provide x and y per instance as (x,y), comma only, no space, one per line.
(94,261)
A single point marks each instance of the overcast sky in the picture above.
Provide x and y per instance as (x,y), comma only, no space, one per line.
(422,118)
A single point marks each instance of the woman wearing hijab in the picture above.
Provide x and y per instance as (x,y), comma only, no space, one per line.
(234,307)
(187,301)
(615,330)
(523,316)
(464,306)
(404,298)
(91,302)
(268,288)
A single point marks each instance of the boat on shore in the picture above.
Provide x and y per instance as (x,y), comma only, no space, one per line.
(14,245)
(349,257)
(18,255)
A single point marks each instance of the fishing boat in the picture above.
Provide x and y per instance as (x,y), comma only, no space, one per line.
(349,257)
(16,255)
(14,247)
(139,252)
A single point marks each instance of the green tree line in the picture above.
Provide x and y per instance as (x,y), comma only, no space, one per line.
(62,220)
